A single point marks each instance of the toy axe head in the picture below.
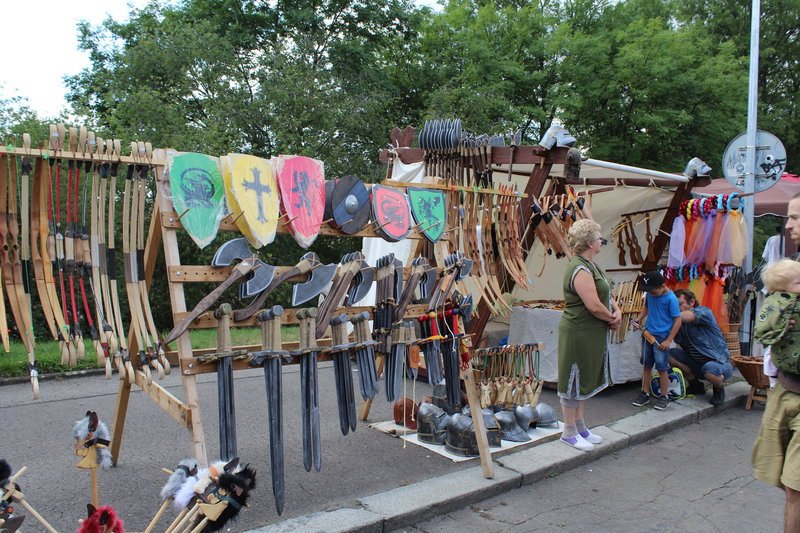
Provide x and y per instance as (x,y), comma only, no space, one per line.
(465,268)
(319,277)
(237,249)
(427,280)
(362,283)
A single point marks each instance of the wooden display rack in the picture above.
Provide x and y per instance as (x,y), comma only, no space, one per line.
(164,225)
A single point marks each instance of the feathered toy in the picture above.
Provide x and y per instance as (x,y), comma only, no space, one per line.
(91,444)
(187,468)
(101,520)
(214,497)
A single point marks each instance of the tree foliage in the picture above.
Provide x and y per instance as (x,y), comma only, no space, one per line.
(642,82)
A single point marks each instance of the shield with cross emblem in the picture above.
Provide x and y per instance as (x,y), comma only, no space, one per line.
(197,193)
(301,181)
(252,195)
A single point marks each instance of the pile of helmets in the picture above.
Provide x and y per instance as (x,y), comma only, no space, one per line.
(457,433)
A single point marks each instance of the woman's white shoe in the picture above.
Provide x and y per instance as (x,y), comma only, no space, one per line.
(591,437)
(578,442)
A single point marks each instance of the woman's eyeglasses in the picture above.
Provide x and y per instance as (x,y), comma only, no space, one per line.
(602,241)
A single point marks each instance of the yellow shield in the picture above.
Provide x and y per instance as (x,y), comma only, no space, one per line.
(252,195)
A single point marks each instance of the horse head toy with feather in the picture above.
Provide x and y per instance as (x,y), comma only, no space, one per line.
(101,520)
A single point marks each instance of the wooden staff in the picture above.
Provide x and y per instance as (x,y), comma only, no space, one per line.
(184,518)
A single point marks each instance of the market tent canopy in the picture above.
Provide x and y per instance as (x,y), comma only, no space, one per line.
(773,201)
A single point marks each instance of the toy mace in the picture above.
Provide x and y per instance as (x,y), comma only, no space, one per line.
(91,445)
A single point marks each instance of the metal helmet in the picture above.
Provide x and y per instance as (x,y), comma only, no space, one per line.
(509,429)
(547,416)
(461,439)
(492,428)
(526,416)
(432,423)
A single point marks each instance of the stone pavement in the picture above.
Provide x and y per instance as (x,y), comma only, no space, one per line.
(515,471)
(696,478)
(368,478)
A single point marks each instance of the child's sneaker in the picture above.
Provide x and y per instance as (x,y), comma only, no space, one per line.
(660,403)
(642,399)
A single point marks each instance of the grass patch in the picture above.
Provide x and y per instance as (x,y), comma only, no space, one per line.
(48,354)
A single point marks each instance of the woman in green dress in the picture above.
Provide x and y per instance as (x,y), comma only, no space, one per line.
(589,313)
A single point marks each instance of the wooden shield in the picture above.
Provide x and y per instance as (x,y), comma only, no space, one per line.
(429,208)
(301,181)
(390,212)
(198,195)
(252,194)
(350,206)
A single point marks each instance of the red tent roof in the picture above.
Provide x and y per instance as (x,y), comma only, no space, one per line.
(773,201)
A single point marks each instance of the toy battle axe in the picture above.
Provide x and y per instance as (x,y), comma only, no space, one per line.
(319,276)
(225,256)
(361,284)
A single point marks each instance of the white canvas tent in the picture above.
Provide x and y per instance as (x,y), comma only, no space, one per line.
(633,191)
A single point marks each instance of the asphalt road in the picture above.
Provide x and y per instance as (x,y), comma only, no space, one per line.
(37,434)
(697,478)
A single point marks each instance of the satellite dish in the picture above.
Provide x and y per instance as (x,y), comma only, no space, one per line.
(770,161)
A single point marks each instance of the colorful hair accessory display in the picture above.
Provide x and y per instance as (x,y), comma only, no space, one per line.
(729,201)
(708,207)
(696,209)
(682,208)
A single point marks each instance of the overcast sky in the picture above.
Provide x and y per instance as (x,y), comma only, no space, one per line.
(40,46)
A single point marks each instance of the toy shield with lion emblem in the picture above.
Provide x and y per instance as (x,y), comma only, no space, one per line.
(429,208)
(301,181)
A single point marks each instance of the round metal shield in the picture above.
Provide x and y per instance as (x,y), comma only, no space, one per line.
(350,205)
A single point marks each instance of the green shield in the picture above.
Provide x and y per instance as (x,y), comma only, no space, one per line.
(429,208)
(198,194)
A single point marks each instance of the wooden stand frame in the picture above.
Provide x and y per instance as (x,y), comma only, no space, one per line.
(164,225)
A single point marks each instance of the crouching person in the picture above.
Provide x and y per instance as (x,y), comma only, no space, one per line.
(703,352)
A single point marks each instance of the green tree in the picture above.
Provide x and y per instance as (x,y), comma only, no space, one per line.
(637,89)
(779,60)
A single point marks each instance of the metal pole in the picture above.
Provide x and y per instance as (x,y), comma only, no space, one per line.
(752,125)
(636,170)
